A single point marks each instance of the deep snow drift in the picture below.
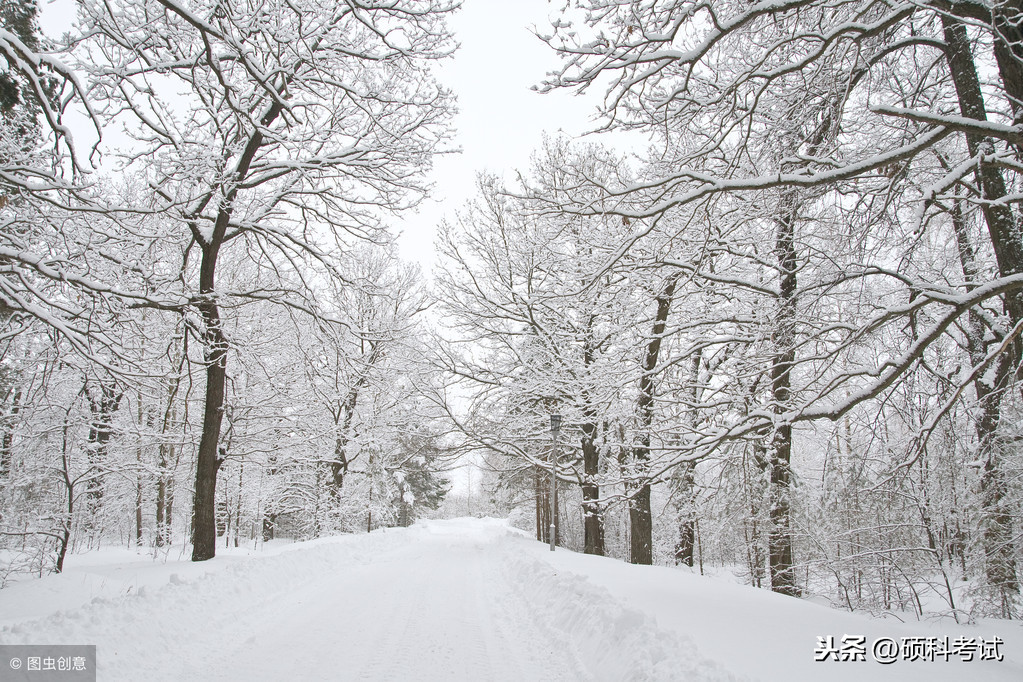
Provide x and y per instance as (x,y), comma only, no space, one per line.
(450,600)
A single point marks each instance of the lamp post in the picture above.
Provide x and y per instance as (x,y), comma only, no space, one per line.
(555,427)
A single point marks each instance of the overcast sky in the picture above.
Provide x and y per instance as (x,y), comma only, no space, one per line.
(500,121)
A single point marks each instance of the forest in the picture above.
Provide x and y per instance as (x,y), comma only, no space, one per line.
(781,336)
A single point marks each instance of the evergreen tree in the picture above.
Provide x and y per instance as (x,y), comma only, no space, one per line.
(420,488)
(19,18)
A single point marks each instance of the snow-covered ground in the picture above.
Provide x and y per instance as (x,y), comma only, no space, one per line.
(450,600)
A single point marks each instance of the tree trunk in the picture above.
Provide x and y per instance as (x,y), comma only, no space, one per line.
(100,430)
(161,505)
(7,440)
(754,470)
(343,417)
(640,518)
(685,477)
(1003,226)
(164,494)
(138,501)
(593,520)
(238,504)
(64,537)
(167,456)
(556,520)
(204,529)
(536,502)
(169,512)
(204,523)
(369,501)
(684,493)
(641,527)
(990,387)
(102,409)
(779,538)
(1007,19)
(543,505)
(997,526)
(139,478)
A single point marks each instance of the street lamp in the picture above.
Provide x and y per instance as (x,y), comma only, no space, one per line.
(555,427)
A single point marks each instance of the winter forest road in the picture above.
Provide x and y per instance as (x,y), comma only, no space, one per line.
(468,599)
(459,600)
(440,608)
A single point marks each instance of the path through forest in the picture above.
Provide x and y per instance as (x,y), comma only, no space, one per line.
(467,599)
(441,607)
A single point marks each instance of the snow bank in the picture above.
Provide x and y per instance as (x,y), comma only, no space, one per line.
(611,640)
(146,633)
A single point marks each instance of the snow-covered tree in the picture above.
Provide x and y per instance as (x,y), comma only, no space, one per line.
(854,109)
(274,134)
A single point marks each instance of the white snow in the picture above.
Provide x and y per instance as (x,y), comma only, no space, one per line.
(448,600)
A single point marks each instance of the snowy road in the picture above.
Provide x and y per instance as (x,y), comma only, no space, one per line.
(453,600)
(440,607)
(448,600)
